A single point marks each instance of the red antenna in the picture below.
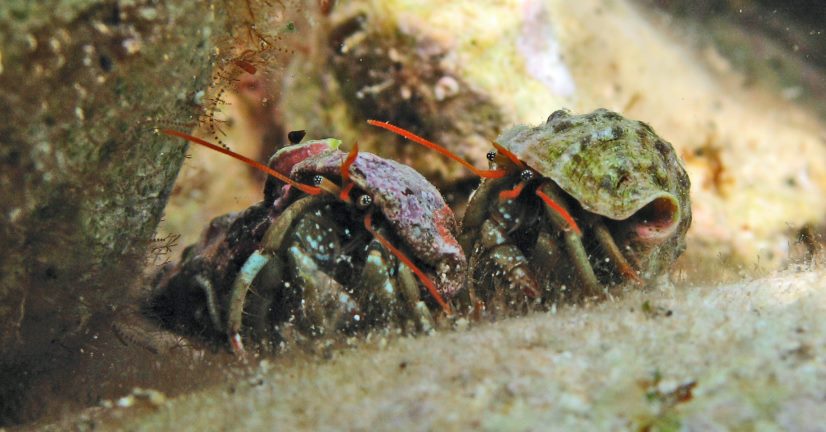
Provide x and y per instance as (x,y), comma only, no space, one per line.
(433,146)
(511,194)
(311,190)
(519,164)
(497,173)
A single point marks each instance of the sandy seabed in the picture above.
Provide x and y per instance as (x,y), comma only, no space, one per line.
(748,355)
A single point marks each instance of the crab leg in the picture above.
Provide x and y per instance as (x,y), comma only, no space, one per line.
(610,247)
(507,257)
(410,290)
(325,307)
(273,239)
(475,216)
(252,266)
(376,290)
(573,240)
(212,305)
(257,312)
(404,286)
(274,236)
(368,224)
(547,260)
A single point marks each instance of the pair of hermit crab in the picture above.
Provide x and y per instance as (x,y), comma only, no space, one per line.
(345,241)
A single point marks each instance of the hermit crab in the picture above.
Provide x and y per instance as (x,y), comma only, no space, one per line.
(570,208)
(340,242)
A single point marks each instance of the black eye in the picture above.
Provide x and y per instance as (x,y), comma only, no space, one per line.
(526,175)
(317,180)
(364,201)
(491,155)
(295,137)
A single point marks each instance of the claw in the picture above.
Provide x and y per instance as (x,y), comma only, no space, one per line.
(610,246)
(368,223)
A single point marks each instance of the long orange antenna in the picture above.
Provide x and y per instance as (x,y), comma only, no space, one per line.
(433,146)
(368,223)
(311,190)
(519,164)
(562,212)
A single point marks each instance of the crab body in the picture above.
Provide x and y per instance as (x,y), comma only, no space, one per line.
(314,265)
(412,207)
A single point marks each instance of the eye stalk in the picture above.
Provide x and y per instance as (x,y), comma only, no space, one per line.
(491,155)
(526,175)
(364,201)
(295,137)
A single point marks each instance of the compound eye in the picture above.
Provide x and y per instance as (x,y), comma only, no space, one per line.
(364,201)
(491,155)
(526,175)
(317,180)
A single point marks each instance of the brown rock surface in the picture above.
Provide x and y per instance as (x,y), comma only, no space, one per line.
(84,177)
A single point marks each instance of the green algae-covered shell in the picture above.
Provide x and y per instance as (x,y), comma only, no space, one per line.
(617,168)
(611,165)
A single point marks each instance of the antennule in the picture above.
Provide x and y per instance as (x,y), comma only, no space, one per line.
(351,157)
(511,194)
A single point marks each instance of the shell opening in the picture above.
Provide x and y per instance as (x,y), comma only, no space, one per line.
(656,221)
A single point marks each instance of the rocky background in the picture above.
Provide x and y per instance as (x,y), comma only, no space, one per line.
(84,177)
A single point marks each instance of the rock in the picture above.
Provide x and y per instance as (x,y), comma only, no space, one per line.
(84,176)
